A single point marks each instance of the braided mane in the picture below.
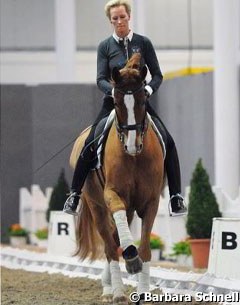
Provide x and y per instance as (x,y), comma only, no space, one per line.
(134,62)
(132,67)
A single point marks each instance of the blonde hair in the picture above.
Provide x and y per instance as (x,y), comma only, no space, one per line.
(113,3)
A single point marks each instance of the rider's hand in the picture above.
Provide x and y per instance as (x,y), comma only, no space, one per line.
(147,94)
(148,91)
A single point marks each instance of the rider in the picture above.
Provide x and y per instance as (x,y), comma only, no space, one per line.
(115,51)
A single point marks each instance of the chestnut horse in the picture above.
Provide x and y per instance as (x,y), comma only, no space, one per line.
(133,170)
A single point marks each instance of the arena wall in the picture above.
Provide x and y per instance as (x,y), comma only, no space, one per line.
(40,123)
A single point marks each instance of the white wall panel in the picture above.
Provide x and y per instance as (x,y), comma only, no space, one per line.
(29,24)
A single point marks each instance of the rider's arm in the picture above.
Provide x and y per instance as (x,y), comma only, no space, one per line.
(103,73)
(153,66)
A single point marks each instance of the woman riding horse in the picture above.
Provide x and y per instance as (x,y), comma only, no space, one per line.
(114,52)
(133,170)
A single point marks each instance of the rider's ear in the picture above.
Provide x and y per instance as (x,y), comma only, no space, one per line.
(144,72)
(116,74)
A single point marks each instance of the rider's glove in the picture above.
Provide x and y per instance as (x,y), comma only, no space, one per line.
(148,91)
(112,92)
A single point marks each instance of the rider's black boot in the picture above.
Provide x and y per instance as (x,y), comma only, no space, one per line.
(82,168)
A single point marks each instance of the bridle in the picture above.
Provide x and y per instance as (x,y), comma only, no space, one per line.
(129,92)
(140,127)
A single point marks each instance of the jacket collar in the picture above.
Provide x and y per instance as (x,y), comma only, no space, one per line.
(129,36)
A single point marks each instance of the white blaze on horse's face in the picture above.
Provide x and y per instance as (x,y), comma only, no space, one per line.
(133,142)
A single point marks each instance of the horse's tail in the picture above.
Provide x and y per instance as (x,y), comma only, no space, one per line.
(89,242)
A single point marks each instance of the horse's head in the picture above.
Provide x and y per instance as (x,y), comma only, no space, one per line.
(130,104)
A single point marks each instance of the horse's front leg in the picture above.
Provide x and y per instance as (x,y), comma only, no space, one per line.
(118,210)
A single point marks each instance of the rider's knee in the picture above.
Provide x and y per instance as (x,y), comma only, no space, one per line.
(87,151)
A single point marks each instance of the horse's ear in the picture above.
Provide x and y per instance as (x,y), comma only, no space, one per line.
(116,74)
(144,72)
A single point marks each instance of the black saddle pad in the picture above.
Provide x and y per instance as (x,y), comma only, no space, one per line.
(100,137)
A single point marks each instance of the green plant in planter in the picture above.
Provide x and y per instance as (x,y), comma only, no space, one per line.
(181,248)
(59,195)
(202,206)
(17,230)
(42,233)
(155,242)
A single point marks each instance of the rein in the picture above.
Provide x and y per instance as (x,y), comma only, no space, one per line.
(129,92)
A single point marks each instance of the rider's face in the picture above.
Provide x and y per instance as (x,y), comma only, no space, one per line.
(120,20)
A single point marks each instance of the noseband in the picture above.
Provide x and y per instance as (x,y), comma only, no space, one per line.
(140,127)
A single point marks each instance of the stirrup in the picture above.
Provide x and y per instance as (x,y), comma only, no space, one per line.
(181,209)
(71,204)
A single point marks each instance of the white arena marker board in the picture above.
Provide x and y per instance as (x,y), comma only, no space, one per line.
(224,258)
(62,234)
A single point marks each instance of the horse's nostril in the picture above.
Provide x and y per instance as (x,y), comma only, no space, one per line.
(139,148)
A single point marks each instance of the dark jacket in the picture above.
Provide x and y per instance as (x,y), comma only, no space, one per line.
(113,54)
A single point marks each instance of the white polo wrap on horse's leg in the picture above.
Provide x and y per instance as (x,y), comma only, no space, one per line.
(117,283)
(124,233)
(144,279)
(106,279)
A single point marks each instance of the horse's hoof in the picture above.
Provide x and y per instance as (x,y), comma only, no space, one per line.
(122,300)
(132,260)
(142,301)
(134,265)
(107,299)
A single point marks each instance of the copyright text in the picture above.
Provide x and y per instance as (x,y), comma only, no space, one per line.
(171,297)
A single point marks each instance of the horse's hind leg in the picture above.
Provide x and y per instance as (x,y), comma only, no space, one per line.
(119,297)
(107,296)
(111,277)
(113,289)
